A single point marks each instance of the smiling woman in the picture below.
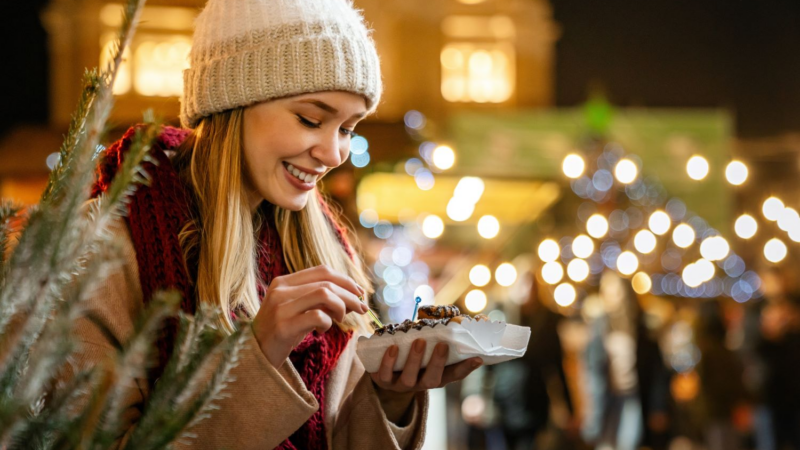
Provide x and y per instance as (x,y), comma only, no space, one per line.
(232,217)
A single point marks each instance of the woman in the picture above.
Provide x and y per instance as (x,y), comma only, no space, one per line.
(232,217)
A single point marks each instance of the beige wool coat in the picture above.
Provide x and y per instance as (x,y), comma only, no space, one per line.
(264,405)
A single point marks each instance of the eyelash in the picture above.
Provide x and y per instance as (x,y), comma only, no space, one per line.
(309,124)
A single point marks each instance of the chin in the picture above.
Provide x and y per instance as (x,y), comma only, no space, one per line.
(293,203)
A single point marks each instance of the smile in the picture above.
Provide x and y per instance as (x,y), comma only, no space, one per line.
(300,175)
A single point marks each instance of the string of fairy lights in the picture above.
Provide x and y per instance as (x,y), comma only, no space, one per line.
(653,240)
(716,271)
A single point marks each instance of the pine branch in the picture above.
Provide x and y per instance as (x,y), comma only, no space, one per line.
(8,210)
(186,392)
(131,365)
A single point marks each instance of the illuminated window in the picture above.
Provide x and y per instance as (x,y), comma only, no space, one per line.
(160,50)
(478,63)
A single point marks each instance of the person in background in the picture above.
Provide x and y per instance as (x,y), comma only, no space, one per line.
(527,391)
(626,381)
(722,390)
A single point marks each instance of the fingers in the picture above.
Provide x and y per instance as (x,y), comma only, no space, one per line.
(459,371)
(314,320)
(323,295)
(408,379)
(318,274)
(386,370)
(432,376)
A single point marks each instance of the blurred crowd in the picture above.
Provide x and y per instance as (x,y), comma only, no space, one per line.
(624,371)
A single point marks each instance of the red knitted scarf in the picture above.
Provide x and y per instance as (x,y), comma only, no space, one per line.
(156,213)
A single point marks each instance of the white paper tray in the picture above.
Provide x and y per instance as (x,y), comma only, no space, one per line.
(494,342)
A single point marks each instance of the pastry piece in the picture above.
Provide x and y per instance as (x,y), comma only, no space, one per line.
(438,312)
(481,317)
(406,325)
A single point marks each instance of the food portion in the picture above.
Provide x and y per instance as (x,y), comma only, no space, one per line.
(429,316)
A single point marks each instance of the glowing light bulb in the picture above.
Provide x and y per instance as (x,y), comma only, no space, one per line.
(697,167)
(626,171)
(459,210)
(573,166)
(597,226)
(746,226)
(683,235)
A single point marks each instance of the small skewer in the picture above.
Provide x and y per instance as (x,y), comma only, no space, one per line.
(417,301)
(372,315)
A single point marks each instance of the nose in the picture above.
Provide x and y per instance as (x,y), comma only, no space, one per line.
(332,149)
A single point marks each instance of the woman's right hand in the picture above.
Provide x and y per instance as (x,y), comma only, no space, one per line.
(302,302)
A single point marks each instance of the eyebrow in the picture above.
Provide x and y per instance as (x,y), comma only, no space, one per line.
(330,109)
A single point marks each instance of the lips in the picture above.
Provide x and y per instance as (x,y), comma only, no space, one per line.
(300,175)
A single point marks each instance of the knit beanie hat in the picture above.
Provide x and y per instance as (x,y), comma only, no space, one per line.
(249,51)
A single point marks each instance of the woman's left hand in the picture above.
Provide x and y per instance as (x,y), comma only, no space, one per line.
(411,379)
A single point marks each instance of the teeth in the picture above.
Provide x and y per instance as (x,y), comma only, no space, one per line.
(300,175)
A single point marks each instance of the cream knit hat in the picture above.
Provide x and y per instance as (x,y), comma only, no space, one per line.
(248,51)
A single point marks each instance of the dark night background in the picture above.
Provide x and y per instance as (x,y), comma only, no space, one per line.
(740,55)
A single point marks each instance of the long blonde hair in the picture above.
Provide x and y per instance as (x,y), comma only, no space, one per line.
(224,233)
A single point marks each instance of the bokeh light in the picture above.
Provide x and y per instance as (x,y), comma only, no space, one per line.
(714,248)
(459,209)
(582,246)
(443,157)
(746,226)
(488,227)
(641,283)
(564,294)
(578,270)
(552,272)
(736,173)
(772,208)
(705,269)
(469,189)
(659,222)
(425,293)
(480,275)
(683,235)
(548,250)
(626,171)
(597,226)
(475,301)
(505,274)
(775,250)
(627,263)
(644,241)
(697,167)
(691,276)
(573,166)
(432,226)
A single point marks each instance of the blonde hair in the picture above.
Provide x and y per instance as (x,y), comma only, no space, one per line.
(223,233)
